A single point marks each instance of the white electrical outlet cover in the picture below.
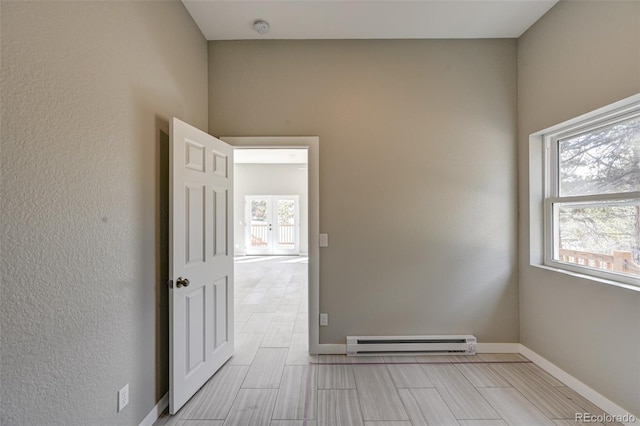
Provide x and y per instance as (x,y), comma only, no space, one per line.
(123,397)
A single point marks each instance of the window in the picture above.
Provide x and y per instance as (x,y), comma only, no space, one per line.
(592,195)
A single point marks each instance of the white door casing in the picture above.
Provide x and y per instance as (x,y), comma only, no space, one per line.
(201,251)
(312,144)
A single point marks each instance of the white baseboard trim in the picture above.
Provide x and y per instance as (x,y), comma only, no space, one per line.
(487,348)
(498,348)
(331,349)
(590,394)
(156,411)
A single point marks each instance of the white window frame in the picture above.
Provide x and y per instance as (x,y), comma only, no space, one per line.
(544,171)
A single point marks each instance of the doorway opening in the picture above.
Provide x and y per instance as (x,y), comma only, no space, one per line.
(271,225)
(312,145)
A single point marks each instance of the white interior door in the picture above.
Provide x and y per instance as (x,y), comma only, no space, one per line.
(272,224)
(201,296)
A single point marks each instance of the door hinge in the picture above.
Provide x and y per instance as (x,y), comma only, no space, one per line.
(170,283)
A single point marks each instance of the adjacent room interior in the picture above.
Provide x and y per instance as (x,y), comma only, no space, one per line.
(271,251)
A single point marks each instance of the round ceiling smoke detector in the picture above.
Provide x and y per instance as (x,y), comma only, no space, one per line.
(261,26)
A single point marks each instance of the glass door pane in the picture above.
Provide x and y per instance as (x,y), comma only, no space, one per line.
(259,225)
(286,238)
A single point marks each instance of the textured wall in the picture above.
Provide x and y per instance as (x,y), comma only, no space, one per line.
(269,179)
(85,88)
(417,172)
(579,57)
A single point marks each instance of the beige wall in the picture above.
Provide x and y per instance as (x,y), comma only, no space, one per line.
(85,88)
(417,173)
(580,56)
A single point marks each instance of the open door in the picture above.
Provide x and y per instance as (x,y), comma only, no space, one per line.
(201,260)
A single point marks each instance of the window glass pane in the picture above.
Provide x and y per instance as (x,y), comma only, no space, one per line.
(602,237)
(601,161)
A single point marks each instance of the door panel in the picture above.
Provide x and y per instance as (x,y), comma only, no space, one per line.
(201,297)
(194,156)
(220,164)
(221,204)
(195,309)
(221,300)
(194,231)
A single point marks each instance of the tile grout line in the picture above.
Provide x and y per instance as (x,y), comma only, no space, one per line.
(466,379)
(513,386)
(307,396)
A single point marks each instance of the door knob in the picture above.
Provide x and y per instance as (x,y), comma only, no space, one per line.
(182,282)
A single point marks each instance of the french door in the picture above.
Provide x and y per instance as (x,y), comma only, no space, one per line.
(272,224)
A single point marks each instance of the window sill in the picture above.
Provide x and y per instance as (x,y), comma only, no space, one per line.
(589,277)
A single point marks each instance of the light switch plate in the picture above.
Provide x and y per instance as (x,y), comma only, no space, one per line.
(324,320)
(324,240)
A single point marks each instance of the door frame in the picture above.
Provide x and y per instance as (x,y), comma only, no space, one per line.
(312,144)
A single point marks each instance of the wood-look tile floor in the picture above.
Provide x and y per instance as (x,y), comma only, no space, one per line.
(273,381)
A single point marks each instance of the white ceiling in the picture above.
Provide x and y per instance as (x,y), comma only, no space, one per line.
(270,156)
(366,19)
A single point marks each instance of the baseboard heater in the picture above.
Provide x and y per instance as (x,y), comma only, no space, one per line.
(412,345)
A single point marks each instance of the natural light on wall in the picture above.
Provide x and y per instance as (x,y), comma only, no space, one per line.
(590,194)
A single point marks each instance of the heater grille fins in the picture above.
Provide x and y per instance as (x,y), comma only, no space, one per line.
(411,345)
